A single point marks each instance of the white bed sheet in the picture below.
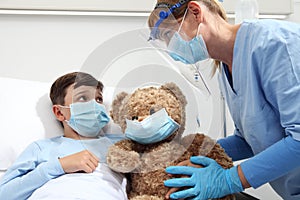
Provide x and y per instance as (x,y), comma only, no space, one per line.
(101,184)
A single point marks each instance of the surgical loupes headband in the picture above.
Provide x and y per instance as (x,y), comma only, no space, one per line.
(164,15)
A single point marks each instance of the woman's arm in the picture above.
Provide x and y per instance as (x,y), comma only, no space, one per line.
(277,160)
(236,147)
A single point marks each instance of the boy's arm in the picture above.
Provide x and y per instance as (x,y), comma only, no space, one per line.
(28,173)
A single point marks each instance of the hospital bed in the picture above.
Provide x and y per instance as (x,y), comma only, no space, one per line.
(25,117)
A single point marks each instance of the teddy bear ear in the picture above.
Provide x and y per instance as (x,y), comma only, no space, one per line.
(117,105)
(176,91)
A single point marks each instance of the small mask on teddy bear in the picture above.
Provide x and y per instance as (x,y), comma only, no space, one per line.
(153,120)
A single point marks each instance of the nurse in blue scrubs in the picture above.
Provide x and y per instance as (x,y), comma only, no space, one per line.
(259,65)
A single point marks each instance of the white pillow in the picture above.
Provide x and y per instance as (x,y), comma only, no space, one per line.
(26,116)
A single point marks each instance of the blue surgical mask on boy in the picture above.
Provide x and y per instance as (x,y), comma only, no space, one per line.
(87,118)
(152,129)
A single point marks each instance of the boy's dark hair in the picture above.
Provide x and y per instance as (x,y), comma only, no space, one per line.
(59,87)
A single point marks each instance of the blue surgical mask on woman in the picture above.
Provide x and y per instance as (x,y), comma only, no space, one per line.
(188,52)
(152,129)
(87,118)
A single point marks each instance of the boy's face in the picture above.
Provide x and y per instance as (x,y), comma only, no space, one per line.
(81,94)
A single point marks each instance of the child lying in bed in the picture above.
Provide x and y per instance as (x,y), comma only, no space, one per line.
(71,166)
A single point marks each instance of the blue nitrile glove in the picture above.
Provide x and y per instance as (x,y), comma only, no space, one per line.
(211,181)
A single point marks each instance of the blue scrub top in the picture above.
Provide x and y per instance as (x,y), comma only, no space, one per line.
(264,101)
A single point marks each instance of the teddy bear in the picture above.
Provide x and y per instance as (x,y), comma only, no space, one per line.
(144,163)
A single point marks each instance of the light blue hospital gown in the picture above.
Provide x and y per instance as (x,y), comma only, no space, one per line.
(264,101)
(39,163)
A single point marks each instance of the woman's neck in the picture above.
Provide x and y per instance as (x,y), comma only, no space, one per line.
(220,42)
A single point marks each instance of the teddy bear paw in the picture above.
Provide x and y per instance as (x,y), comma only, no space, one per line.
(123,161)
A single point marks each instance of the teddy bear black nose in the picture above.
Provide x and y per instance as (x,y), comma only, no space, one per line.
(135,117)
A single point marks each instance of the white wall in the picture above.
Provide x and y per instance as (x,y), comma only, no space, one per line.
(39,47)
(296,15)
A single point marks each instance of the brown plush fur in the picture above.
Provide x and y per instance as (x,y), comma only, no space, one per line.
(145,164)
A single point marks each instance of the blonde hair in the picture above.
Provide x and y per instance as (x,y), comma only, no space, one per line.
(213,6)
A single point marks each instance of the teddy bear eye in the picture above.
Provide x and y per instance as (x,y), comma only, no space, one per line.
(152,110)
(134,118)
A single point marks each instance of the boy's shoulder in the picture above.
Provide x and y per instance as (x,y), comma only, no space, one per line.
(115,137)
(44,141)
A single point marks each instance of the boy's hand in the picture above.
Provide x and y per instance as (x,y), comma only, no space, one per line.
(81,161)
